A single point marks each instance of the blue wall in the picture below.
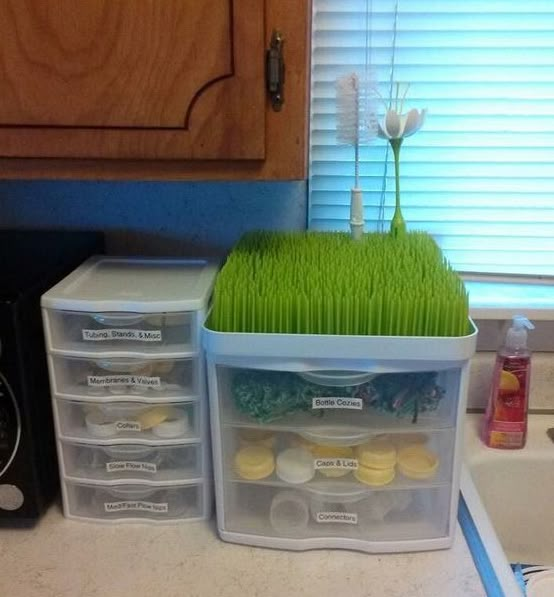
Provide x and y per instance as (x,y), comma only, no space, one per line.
(156,218)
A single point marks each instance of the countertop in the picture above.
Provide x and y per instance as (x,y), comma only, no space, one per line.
(67,558)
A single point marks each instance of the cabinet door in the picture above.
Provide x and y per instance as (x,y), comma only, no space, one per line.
(156,79)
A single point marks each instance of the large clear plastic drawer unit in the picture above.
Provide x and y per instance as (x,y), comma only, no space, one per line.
(336,441)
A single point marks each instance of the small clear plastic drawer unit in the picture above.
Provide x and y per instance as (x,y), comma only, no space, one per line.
(330,439)
(127,377)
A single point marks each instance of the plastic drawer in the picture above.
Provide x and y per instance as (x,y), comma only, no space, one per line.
(339,391)
(128,463)
(404,459)
(170,334)
(348,405)
(127,422)
(133,503)
(134,379)
(395,516)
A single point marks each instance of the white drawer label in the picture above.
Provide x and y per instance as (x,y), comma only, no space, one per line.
(122,334)
(102,381)
(127,426)
(346,403)
(124,466)
(350,464)
(161,508)
(336,517)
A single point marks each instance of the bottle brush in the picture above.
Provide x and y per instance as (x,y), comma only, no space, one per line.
(356,124)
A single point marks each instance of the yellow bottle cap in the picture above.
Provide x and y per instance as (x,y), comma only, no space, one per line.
(326,452)
(374,476)
(417,462)
(153,416)
(377,453)
(254,462)
(256,437)
(176,424)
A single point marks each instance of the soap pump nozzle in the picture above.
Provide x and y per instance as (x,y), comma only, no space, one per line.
(516,337)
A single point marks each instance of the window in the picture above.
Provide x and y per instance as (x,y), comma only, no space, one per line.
(479,175)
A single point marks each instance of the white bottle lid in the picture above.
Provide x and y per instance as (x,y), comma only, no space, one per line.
(295,465)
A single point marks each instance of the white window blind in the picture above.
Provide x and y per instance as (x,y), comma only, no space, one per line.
(479,175)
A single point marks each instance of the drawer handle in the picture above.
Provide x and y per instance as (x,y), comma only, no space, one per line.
(117,318)
(125,366)
(337,378)
(336,436)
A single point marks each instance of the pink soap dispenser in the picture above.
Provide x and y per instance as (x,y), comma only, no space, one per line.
(505,422)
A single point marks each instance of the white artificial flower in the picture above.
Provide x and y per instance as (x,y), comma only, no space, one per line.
(398,126)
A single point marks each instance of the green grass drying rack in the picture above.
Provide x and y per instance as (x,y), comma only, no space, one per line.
(326,283)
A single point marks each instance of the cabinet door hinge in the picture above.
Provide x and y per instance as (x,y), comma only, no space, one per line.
(275,70)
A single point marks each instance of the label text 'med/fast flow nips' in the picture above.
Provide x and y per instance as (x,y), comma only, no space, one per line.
(161,508)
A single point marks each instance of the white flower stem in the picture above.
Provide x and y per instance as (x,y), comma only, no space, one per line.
(397,225)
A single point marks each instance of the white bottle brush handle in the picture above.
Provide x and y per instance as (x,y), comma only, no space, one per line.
(355,125)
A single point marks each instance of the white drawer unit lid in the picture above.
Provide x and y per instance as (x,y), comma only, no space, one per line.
(131,284)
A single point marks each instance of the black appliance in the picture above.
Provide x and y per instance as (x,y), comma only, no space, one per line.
(31,262)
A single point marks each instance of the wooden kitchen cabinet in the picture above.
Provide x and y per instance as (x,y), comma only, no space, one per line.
(155,89)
